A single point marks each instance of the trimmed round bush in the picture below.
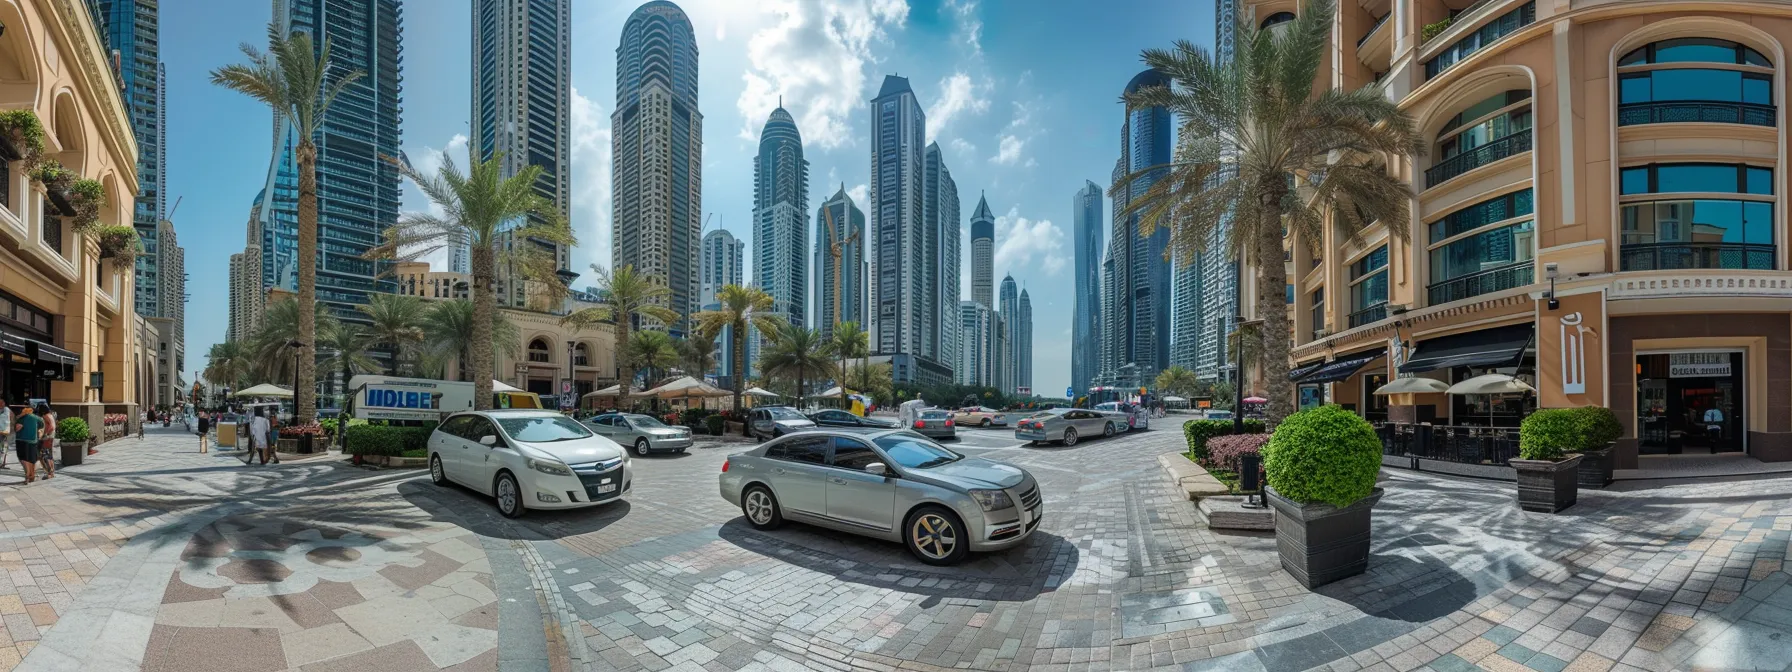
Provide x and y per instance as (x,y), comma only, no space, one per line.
(1600,425)
(72,429)
(1325,454)
(1550,433)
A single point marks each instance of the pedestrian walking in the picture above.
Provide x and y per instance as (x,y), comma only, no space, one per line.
(258,436)
(27,429)
(205,427)
(5,429)
(47,444)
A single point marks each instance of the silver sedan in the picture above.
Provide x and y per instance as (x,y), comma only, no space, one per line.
(641,433)
(1067,425)
(891,484)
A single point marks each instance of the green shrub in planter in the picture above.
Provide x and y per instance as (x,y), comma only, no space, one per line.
(72,429)
(1199,431)
(1600,425)
(715,424)
(386,440)
(1550,433)
(1325,454)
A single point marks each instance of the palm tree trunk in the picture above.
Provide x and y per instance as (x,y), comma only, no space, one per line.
(484,304)
(305,398)
(1272,308)
(739,365)
(627,370)
(842,378)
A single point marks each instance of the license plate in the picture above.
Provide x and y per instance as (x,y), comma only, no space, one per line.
(606,488)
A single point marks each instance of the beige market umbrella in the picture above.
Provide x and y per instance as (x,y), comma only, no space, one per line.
(686,387)
(499,386)
(611,391)
(265,390)
(1492,383)
(1413,386)
(758,392)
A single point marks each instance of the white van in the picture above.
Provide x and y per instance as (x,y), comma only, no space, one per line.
(394,398)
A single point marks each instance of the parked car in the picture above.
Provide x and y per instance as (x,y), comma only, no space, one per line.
(935,423)
(833,417)
(1218,415)
(770,422)
(892,485)
(1135,416)
(528,459)
(980,416)
(1067,425)
(643,433)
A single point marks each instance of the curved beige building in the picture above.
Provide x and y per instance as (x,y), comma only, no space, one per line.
(1628,159)
(67,331)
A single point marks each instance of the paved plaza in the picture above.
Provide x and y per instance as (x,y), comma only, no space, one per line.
(154,556)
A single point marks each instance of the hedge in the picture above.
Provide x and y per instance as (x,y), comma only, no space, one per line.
(384,440)
(1325,454)
(1199,431)
(1551,433)
(715,424)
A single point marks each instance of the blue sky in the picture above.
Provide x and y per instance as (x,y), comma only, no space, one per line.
(1023,96)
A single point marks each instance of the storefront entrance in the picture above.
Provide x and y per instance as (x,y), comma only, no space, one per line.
(1690,403)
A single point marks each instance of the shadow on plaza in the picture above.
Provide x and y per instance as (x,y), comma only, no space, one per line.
(478,513)
(1037,566)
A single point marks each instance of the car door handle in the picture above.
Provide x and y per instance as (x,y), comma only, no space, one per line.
(778,470)
(837,479)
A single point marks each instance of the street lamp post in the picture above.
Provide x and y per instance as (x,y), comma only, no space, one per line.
(297,347)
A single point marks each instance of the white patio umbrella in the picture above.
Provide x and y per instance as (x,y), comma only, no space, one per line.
(686,388)
(1413,386)
(758,392)
(265,390)
(1492,383)
(831,392)
(611,391)
(499,386)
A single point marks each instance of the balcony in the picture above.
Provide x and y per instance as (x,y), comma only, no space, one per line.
(1370,315)
(1375,49)
(1682,111)
(1470,43)
(1491,280)
(1678,256)
(1449,168)
(53,232)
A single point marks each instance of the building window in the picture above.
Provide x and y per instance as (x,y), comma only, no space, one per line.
(1668,234)
(1663,82)
(1319,313)
(1369,288)
(538,351)
(1495,30)
(1490,130)
(1479,249)
(1276,18)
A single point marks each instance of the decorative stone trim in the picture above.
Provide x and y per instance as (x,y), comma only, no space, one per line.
(1702,285)
(1380,331)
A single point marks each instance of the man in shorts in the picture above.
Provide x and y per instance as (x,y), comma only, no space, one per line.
(26,436)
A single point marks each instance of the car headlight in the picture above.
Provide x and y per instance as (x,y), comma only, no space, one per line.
(992,500)
(550,467)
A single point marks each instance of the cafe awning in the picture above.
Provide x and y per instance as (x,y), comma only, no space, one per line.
(1299,372)
(1339,369)
(55,363)
(1492,348)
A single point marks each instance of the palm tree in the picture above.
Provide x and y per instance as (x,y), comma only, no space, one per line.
(300,83)
(344,347)
(697,354)
(795,352)
(483,209)
(226,363)
(1259,150)
(397,323)
(448,329)
(652,350)
(741,307)
(1176,380)
(628,297)
(874,380)
(847,341)
(270,352)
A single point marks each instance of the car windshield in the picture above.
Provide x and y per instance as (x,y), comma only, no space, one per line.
(644,421)
(933,415)
(914,452)
(784,414)
(543,429)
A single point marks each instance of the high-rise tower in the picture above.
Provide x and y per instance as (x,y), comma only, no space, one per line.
(780,229)
(357,189)
(1023,344)
(1139,335)
(723,263)
(983,243)
(1085,325)
(656,148)
(1008,355)
(849,234)
(132,29)
(899,249)
(522,104)
(940,222)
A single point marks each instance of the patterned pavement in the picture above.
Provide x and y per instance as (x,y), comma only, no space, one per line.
(152,556)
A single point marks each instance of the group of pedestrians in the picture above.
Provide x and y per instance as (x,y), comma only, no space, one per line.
(33,432)
(256,428)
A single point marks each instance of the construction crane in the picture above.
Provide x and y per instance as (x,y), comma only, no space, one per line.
(837,247)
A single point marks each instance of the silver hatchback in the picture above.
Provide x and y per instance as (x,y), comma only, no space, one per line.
(892,484)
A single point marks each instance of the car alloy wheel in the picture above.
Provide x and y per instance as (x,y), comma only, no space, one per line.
(985,423)
(510,500)
(436,474)
(1069,436)
(933,535)
(761,508)
(641,447)
(1109,430)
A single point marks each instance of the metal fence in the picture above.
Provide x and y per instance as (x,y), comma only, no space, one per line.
(1463,445)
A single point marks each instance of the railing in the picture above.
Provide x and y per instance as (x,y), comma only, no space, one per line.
(1372,29)
(52,231)
(1375,313)
(1673,112)
(538,357)
(1511,145)
(1481,38)
(581,360)
(1676,256)
(5,183)
(1478,283)
(1462,445)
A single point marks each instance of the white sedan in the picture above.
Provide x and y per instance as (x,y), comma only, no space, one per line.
(529,459)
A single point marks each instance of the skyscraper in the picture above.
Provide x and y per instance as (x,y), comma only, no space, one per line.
(656,146)
(522,104)
(357,190)
(246,290)
(1085,325)
(780,232)
(1023,344)
(899,249)
(1186,292)
(132,29)
(940,222)
(1008,355)
(983,243)
(977,330)
(1140,290)
(723,263)
(1214,269)
(849,233)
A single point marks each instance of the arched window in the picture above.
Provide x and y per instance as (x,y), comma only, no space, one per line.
(580,355)
(1676,233)
(539,350)
(1492,129)
(1483,248)
(1278,17)
(1695,79)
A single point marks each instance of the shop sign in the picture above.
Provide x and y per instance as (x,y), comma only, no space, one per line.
(1574,353)
(1699,365)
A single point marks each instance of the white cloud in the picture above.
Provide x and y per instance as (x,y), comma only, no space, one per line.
(814,56)
(958,94)
(860,194)
(428,162)
(1012,141)
(962,146)
(1029,243)
(590,183)
(1008,150)
(970,28)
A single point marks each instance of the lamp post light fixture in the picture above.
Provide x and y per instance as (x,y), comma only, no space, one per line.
(298,347)
(1550,272)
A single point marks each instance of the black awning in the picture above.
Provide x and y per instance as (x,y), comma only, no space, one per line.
(1300,372)
(1493,348)
(53,362)
(15,343)
(1340,369)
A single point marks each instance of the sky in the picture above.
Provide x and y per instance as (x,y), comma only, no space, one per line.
(1022,94)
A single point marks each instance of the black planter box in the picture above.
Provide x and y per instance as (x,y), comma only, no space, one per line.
(1596,467)
(305,443)
(1548,487)
(73,453)
(1321,543)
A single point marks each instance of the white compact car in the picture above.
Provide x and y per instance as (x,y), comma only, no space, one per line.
(529,459)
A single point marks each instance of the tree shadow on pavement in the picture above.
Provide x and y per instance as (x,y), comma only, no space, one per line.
(476,512)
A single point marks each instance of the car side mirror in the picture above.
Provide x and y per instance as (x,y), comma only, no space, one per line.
(488,440)
(877,469)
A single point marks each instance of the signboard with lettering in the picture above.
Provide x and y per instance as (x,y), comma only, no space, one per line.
(388,398)
(1699,365)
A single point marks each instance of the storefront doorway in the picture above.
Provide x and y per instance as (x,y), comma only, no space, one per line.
(1690,403)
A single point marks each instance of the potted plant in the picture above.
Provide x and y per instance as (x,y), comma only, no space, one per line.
(21,135)
(85,198)
(1321,464)
(120,244)
(56,180)
(1602,431)
(1548,479)
(304,436)
(73,434)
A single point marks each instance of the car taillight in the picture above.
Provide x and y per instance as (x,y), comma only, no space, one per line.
(724,466)
(920,424)
(948,422)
